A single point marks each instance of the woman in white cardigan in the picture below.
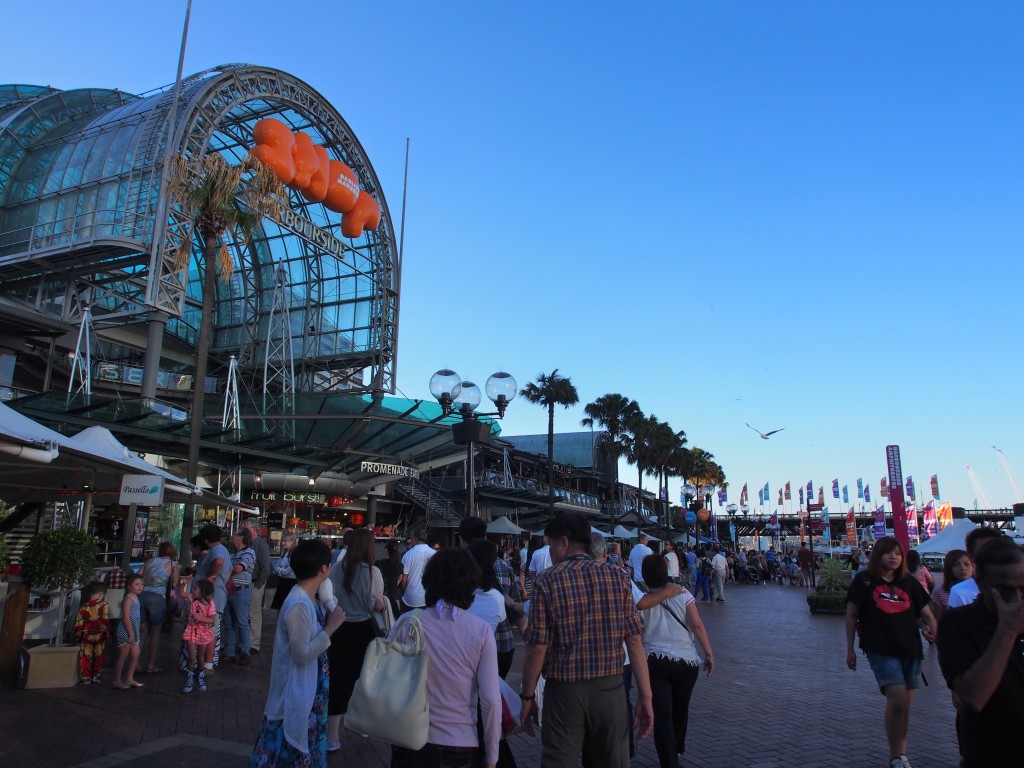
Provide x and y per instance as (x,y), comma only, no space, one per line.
(294,729)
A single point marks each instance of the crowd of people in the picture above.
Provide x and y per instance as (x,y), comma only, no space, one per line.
(614,643)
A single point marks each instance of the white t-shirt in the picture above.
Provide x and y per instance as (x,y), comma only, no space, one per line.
(489,606)
(636,557)
(638,595)
(720,564)
(413,562)
(963,593)
(664,636)
(673,565)
(541,560)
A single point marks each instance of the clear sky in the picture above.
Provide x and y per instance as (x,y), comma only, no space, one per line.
(803,215)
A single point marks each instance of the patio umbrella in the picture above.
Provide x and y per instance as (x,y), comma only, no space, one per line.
(502,525)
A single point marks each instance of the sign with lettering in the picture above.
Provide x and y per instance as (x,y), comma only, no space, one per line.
(899,516)
(144,490)
(297,497)
(379,468)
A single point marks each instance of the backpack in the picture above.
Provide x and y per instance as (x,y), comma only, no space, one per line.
(705,567)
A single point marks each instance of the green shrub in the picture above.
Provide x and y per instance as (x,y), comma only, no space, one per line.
(59,559)
(827,602)
(831,577)
(4,551)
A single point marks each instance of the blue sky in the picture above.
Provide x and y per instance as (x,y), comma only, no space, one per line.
(802,215)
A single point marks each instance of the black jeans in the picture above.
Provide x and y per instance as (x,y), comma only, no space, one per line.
(437,756)
(671,686)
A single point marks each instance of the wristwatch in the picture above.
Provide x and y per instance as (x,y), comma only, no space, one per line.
(524,697)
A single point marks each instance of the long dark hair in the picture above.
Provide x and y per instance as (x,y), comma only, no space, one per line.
(359,552)
(952,558)
(884,546)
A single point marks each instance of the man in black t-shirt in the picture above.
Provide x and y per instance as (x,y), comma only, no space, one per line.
(981,653)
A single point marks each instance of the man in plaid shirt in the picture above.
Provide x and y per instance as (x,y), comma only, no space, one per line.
(581,612)
(471,529)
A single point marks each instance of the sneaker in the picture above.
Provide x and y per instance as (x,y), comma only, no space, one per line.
(333,746)
(906,763)
(189,682)
(254,651)
(202,682)
(719,599)
(96,680)
(244,660)
(86,681)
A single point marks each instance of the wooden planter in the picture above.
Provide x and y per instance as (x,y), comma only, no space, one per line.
(53,667)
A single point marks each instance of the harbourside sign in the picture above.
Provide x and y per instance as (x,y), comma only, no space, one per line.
(308,231)
(377,468)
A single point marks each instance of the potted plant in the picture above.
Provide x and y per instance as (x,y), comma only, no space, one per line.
(59,561)
(829,595)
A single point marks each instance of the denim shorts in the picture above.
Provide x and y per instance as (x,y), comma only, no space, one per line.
(890,670)
(153,607)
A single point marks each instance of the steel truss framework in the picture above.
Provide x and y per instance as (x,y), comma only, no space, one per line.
(120,257)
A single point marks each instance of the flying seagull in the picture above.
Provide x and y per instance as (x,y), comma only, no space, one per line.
(766,435)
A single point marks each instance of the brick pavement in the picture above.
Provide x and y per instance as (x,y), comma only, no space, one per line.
(781,697)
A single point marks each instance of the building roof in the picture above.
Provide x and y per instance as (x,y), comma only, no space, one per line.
(575,448)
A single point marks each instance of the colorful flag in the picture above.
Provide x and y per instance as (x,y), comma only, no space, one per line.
(801,495)
(789,496)
(910,488)
(780,497)
(835,488)
(935,486)
(714,527)
(821,495)
(867,494)
(773,521)
(723,497)
(767,493)
(860,488)
(879,527)
(945,514)
(824,521)
(760,496)
(851,528)
(931,522)
(883,488)
(743,494)
(810,491)
(846,494)
(912,529)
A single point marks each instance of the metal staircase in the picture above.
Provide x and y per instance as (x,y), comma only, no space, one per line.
(436,505)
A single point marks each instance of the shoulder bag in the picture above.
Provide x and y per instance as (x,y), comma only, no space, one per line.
(389,701)
(681,622)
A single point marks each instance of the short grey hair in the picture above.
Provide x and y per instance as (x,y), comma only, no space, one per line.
(598,546)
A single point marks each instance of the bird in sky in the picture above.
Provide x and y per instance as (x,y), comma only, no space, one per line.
(766,435)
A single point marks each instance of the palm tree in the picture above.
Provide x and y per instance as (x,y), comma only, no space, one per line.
(548,391)
(642,433)
(613,412)
(220,197)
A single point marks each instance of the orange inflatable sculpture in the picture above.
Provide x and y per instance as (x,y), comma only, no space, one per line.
(305,167)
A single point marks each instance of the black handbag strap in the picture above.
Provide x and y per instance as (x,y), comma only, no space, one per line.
(673,615)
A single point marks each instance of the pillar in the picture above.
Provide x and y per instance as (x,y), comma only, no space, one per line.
(157,323)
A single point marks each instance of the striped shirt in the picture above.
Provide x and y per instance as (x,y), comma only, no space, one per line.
(583,611)
(247,559)
(503,638)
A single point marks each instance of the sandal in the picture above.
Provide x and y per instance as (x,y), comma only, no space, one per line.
(135,684)
(150,671)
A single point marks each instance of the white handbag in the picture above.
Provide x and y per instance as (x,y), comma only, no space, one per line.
(389,701)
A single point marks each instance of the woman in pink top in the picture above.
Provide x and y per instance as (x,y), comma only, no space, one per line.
(957,566)
(463,672)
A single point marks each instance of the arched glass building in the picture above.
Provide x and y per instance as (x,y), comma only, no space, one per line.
(86,221)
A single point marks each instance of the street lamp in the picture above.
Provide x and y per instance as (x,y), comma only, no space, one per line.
(731,509)
(464,397)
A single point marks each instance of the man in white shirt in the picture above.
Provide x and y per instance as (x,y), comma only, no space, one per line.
(541,560)
(966,592)
(673,562)
(413,563)
(720,566)
(637,555)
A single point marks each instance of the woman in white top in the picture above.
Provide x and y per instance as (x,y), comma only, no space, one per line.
(488,600)
(294,728)
(669,632)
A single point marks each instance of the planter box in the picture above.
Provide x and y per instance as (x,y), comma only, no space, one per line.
(827,602)
(53,667)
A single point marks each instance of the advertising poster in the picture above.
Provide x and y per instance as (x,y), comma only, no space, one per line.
(139,534)
(912,530)
(879,528)
(851,528)
(931,523)
(945,514)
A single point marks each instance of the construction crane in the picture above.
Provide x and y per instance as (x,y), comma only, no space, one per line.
(1018,496)
(979,490)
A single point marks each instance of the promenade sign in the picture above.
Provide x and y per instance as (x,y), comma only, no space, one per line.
(899,512)
(379,468)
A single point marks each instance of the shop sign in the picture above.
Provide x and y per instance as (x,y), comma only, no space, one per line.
(377,468)
(144,490)
(298,497)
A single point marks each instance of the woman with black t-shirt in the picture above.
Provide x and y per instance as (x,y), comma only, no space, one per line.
(883,606)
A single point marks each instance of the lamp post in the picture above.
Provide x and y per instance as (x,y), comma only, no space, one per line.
(731,510)
(708,492)
(464,397)
(689,494)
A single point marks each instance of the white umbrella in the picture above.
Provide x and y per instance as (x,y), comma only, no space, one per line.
(622,532)
(503,525)
(951,537)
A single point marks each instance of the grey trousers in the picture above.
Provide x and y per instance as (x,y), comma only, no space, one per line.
(256,617)
(587,719)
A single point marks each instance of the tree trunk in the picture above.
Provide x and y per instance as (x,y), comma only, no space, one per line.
(211,245)
(551,461)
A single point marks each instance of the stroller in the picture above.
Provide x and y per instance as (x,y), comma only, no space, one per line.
(750,574)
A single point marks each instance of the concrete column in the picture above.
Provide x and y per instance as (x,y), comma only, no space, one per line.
(154,348)
(371,511)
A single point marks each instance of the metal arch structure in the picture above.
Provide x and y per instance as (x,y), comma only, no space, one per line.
(124,266)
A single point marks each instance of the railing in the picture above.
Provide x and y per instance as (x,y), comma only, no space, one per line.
(80,228)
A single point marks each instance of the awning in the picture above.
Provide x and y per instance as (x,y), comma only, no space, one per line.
(502,525)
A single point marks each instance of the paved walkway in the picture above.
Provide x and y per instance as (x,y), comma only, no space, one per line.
(781,697)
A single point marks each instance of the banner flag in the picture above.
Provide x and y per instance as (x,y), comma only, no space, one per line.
(767,493)
(801,531)
(910,488)
(883,488)
(801,489)
(780,497)
(935,486)
(714,527)
(722,497)
(860,488)
(732,531)
(821,495)
(846,494)
(894,466)
(824,520)
(810,491)
(760,496)
(789,496)
(743,494)
(773,521)
(851,528)
(912,529)
(879,527)
(931,522)
(945,514)
(835,488)
(867,494)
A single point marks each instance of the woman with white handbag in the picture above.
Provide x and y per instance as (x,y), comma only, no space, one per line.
(294,729)
(463,669)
